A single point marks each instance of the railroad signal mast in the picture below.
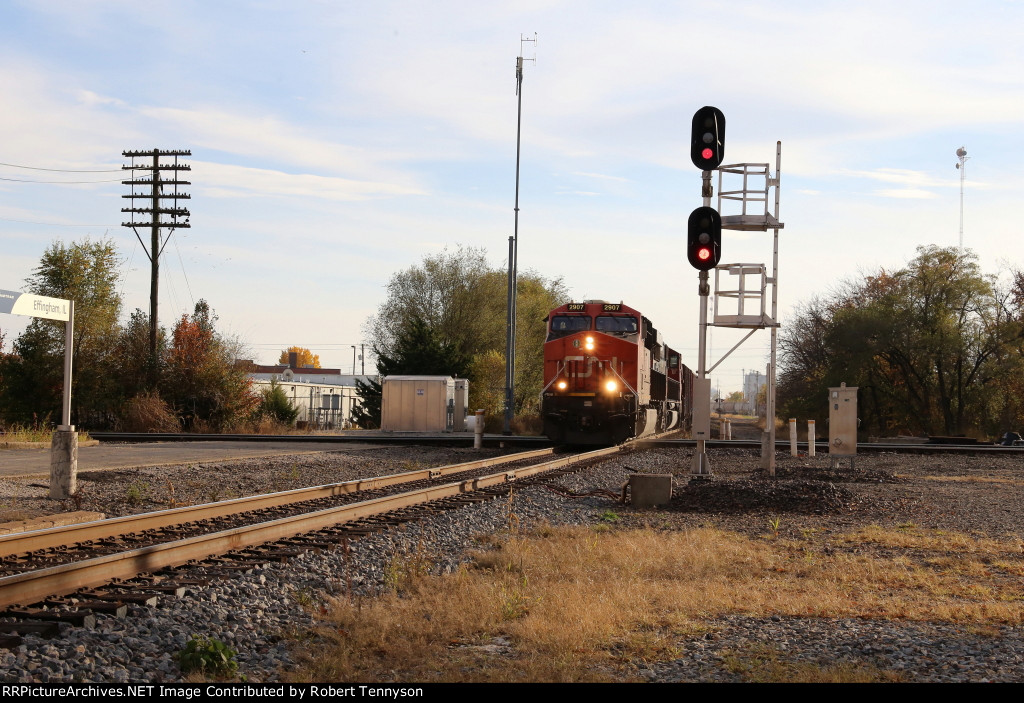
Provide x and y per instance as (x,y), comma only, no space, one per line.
(703,251)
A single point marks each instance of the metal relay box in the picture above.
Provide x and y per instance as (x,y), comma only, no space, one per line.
(842,421)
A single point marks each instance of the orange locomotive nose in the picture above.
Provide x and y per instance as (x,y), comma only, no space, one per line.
(608,375)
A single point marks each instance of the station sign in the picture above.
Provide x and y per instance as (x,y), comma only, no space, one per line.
(17,303)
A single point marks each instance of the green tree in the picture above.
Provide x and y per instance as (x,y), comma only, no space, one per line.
(135,366)
(209,391)
(275,405)
(450,292)
(927,346)
(85,272)
(462,300)
(419,350)
(416,351)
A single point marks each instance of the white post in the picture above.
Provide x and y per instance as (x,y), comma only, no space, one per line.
(478,430)
(792,436)
(728,429)
(810,438)
(64,444)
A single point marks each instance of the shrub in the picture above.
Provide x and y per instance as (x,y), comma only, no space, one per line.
(274,404)
(147,412)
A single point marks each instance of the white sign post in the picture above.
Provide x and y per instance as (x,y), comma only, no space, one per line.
(64,446)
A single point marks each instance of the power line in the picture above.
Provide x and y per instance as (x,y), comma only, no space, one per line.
(60,183)
(65,170)
(52,224)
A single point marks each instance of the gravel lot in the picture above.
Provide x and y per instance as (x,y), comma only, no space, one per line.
(973,494)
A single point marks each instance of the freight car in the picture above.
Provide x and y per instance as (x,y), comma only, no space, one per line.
(608,376)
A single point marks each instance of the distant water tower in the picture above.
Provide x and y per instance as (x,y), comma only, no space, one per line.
(961,155)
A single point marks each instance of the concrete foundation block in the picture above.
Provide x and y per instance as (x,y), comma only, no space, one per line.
(647,490)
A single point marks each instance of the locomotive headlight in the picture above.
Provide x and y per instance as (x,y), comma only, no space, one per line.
(590,343)
(562,385)
(611,386)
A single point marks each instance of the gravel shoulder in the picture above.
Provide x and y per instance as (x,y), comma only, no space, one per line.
(258,613)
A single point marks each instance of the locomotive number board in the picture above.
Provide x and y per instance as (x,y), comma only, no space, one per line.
(582,307)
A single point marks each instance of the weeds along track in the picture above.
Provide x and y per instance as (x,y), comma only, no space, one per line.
(46,564)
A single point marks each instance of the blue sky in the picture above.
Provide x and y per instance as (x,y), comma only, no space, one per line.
(334,143)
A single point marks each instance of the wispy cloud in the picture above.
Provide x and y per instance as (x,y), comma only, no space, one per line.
(228,181)
(601,176)
(908,193)
(904,177)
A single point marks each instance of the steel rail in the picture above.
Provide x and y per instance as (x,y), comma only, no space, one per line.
(444,439)
(821,448)
(31,587)
(56,537)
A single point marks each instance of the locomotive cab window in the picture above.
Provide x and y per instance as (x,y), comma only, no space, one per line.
(616,324)
(562,325)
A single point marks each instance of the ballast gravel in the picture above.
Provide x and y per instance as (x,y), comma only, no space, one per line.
(259,614)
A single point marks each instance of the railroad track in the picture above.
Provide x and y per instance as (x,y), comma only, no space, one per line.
(37,587)
(449,439)
(821,447)
(438,439)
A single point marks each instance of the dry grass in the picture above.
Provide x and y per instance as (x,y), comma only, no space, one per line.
(583,605)
(18,434)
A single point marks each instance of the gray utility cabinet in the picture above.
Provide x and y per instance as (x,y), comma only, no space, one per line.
(842,420)
(423,404)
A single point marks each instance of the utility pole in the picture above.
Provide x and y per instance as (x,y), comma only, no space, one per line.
(513,255)
(159,217)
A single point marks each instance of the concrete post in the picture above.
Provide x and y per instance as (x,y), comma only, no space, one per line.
(64,462)
(792,436)
(810,438)
(478,430)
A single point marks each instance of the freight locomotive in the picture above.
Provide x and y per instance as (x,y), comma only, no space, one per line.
(608,376)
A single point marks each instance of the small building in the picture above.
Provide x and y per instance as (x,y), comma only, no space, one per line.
(325,398)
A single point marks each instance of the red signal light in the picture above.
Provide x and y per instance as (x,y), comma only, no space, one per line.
(703,238)
(707,138)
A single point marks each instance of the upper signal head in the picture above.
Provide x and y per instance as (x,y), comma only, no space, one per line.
(707,138)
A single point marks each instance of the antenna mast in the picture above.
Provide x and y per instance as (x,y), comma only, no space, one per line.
(962,157)
(513,251)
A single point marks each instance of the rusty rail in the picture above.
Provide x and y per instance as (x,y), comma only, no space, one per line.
(30,587)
